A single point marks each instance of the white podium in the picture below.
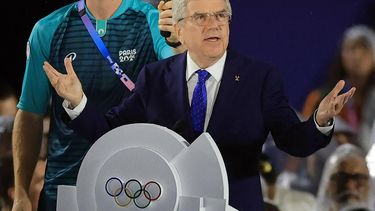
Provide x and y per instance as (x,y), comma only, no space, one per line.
(148,167)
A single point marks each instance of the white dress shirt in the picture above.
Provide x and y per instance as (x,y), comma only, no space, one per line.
(212,85)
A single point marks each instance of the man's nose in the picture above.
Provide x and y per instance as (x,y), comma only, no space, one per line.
(212,21)
(351,185)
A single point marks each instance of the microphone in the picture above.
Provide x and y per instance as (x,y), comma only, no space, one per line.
(165,34)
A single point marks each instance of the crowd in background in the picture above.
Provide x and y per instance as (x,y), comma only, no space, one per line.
(337,178)
(341,175)
(8,102)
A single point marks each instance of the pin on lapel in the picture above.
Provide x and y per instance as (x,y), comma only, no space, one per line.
(237,78)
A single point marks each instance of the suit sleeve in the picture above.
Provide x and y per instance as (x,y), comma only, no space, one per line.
(92,124)
(290,134)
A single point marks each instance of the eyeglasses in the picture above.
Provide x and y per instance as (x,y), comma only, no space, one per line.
(343,177)
(202,19)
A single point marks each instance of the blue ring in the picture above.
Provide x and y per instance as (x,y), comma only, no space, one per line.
(106,186)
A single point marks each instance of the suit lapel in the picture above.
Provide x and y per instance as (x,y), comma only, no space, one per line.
(230,83)
(176,81)
(229,86)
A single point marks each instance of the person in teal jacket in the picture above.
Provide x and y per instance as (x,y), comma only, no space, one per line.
(129,30)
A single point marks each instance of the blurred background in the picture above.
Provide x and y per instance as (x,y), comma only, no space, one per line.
(300,37)
(17,21)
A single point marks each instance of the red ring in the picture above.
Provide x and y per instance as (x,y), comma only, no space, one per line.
(149,197)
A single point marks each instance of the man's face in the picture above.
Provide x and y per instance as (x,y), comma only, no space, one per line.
(205,36)
(350,183)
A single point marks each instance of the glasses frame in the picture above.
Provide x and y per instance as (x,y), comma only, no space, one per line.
(341,178)
(207,15)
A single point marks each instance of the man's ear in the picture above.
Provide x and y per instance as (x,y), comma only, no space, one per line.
(177,29)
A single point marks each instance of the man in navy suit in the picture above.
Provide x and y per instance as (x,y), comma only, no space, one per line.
(244,100)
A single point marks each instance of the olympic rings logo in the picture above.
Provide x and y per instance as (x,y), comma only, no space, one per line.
(132,190)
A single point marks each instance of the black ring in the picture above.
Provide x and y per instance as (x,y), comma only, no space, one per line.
(135,193)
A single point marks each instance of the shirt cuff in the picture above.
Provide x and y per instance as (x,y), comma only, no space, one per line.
(326,130)
(73,113)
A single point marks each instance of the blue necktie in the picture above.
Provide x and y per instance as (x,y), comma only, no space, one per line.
(199,102)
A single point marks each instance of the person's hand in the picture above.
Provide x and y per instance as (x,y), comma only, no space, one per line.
(332,104)
(22,202)
(165,20)
(67,85)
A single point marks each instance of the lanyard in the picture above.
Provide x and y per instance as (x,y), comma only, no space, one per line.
(103,50)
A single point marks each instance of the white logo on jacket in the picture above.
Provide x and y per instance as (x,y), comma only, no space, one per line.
(71,55)
(127,55)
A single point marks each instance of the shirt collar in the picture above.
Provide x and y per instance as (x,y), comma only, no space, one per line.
(216,70)
(125,5)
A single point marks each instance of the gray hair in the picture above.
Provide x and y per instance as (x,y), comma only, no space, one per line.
(179,9)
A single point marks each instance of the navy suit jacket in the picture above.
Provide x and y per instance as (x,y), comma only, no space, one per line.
(244,112)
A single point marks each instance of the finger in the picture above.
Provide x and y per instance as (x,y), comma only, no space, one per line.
(343,95)
(346,98)
(347,95)
(52,70)
(167,28)
(50,74)
(338,87)
(168,5)
(342,100)
(69,66)
(352,91)
(160,5)
(165,22)
(165,14)
(164,5)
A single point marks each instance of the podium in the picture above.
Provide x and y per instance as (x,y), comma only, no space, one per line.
(148,167)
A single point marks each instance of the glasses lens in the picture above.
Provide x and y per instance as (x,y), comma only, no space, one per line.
(342,178)
(222,16)
(202,19)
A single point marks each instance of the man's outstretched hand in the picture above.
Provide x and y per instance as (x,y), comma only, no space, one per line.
(67,85)
(332,104)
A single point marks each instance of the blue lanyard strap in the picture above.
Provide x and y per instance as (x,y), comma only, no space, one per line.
(103,50)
